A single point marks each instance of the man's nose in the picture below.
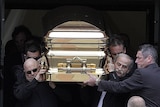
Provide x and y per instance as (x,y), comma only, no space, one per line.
(136,61)
(120,67)
(32,72)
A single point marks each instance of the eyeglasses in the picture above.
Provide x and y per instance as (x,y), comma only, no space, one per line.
(29,72)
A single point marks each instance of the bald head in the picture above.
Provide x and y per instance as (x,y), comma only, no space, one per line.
(136,101)
(31,68)
(29,63)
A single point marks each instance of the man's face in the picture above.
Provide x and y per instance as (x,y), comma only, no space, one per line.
(20,40)
(35,55)
(140,60)
(114,50)
(31,71)
(122,66)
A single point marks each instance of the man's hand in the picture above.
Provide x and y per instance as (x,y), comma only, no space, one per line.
(40,77)
(109,66)
(52,85)
(91,81)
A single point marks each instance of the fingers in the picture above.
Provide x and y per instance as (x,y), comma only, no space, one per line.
(42,71)
(109,59)
(110,67)
(52,85)
(91,81)
(39,60)
(41,75)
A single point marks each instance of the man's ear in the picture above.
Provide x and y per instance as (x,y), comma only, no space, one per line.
(149,58)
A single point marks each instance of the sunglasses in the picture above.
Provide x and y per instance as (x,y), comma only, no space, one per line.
(29,72)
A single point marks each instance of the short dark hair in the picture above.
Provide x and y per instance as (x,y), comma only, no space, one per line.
(126,39)
(19,29)
(32,46)
(115,40)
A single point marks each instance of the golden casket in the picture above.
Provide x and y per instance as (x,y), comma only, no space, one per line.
(75,49)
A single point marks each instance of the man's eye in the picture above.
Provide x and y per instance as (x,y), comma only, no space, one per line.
(139,57)
(124,66)
(118,64)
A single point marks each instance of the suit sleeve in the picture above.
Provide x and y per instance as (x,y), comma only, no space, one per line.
(134,82)
(23,90)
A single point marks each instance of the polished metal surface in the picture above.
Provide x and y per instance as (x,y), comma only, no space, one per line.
(74,48)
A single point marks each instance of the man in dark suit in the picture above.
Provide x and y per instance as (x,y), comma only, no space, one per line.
(33,50)
(118,70)
(143,82)
(115,45)
(31,89)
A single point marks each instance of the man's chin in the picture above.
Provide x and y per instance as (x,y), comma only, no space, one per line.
(30,79)
(139,66)
(119,74)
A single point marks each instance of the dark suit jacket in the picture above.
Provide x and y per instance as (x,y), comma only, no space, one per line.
(38,94)
(115,99)
(144,82)
(111,99)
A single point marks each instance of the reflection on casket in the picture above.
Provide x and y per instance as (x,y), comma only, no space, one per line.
(75,49)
